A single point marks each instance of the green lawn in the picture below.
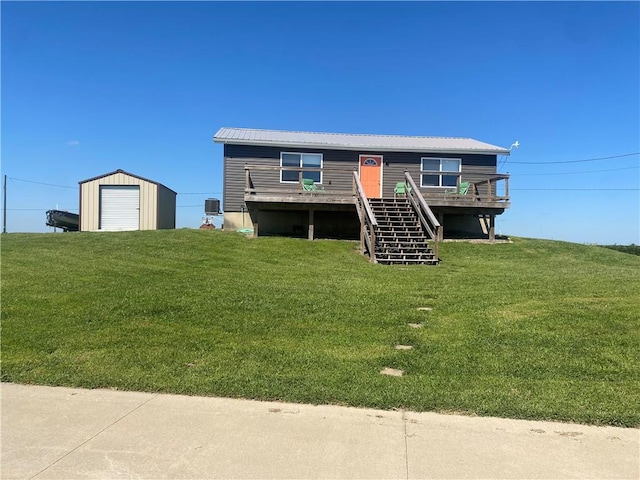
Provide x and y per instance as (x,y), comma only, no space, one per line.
(531,329)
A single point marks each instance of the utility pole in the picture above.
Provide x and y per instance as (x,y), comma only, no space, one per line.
(4,206)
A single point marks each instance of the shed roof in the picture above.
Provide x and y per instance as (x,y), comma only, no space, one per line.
(352,141)
(126,173)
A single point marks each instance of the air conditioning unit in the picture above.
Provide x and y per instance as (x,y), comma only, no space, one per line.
(212,206)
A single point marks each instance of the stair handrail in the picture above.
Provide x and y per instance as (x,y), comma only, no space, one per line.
(367,218)
(427,218)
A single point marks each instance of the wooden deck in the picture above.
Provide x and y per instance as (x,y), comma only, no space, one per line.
(305,199)
(482,196)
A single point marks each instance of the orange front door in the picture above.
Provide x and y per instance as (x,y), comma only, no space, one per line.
(371,175)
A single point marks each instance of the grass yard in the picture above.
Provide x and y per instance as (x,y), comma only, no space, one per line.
(533,329)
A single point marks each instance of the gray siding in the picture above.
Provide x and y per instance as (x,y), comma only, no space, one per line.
(237,156)
(474,168)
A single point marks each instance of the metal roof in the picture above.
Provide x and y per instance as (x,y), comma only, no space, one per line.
(353,141)
(124,173)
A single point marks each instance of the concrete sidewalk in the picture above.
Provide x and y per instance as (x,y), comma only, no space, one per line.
(53,432)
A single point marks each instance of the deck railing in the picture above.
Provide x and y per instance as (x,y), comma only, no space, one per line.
(368,223)
(485,190)
(428,220)
(291,188)
(492,188)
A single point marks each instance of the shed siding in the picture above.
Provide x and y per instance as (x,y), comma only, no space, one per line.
(166,208)
(474,168)
(90,201)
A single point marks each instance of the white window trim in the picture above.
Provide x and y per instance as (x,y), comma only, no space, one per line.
(300,165)
(439,172)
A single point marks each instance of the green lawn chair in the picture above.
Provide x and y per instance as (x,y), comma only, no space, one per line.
(462,189)
(308,185)
(401,189)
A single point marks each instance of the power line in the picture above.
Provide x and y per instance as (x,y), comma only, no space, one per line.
(69,209)
(74,188)
(39,209)
(584,171)
(41,183)
(575,189)
(502,161)
(577,161)
(200,193)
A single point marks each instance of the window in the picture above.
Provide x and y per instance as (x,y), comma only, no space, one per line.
(434,172)
(300,160)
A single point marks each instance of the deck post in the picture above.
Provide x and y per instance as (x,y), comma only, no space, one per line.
(372,254)
(441,229)
(255,224)
(311,221)
(492,228)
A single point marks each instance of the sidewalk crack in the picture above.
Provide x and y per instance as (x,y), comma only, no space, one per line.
(94,436)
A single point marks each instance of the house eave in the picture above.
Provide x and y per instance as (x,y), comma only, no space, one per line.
(361,148)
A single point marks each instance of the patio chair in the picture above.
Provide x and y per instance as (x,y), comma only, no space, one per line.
(461,189)
(401,189)
(308,185)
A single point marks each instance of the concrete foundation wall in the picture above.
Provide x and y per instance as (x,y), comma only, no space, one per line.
(233,221)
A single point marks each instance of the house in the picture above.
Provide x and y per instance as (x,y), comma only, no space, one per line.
(123,201)
(374,187)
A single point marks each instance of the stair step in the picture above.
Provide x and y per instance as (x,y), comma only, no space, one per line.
(402,247)
(401,240)
(400,253)
(398,224)
(407,262)
(401,236)
(407,232)
(401,256)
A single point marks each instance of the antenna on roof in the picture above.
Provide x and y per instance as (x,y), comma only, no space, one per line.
(515,144)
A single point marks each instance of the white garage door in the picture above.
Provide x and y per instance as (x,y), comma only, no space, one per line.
(119,207)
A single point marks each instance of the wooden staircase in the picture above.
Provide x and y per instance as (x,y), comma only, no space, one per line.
(399,236)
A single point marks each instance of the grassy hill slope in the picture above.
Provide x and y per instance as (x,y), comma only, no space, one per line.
(532,329)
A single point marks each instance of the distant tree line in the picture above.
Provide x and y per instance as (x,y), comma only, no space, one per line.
(632,249)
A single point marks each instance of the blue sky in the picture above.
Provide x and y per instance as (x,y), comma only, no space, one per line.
(90,87)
